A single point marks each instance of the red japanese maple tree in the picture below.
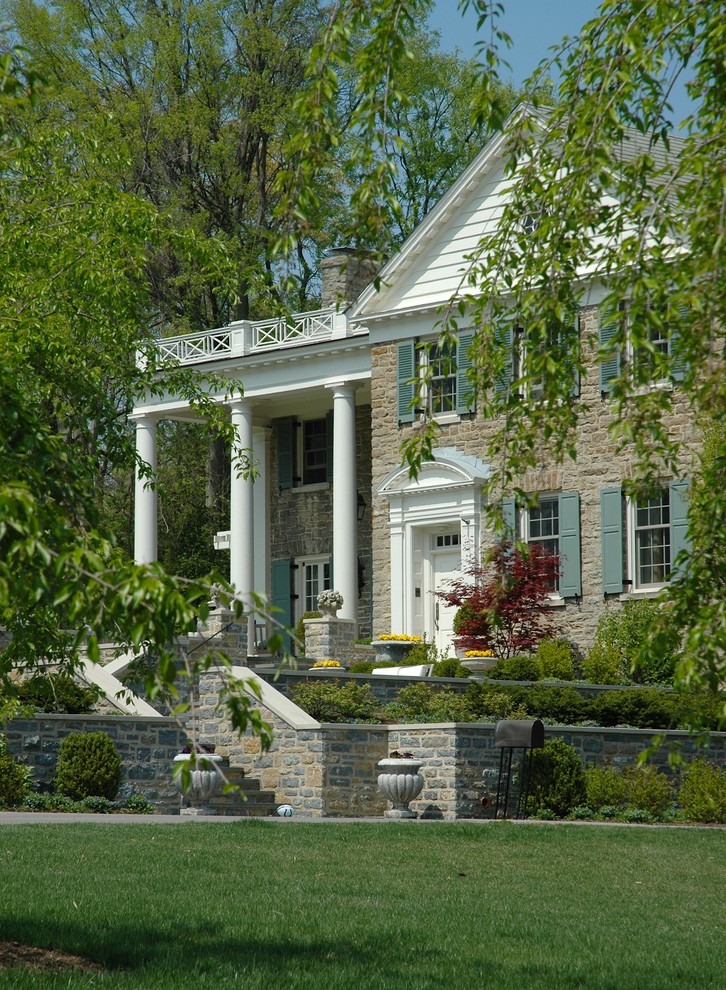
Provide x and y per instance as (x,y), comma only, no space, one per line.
(503,607)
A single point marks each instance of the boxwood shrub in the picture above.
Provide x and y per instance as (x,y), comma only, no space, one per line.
(88,766)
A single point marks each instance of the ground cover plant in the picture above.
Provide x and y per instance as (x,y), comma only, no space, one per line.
(366,906)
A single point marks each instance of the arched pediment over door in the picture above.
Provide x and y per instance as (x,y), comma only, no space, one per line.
(435,527)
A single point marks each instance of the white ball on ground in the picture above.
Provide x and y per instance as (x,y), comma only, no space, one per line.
(285,810)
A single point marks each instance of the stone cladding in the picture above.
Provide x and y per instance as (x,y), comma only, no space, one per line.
(598,464)
(301,519)
(147,747)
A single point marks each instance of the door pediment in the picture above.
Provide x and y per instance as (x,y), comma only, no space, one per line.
(448,469)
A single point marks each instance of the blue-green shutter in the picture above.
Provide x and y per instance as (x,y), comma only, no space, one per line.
(610,368)
(611,518)
(405,372)
(330,573)
(570,569)
(281,595)
(678,498)
(329,446)
(464,384)
(509,518)
(505,339)
(286,451)
(678,367)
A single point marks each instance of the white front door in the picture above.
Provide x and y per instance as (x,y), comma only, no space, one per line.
(445,565)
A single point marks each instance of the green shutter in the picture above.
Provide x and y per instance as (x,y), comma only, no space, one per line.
(509,518)
(281,595)
(570,570)
(286,451)
(329,447)
(678,367)
(678,498)
(464,384)
(611,517)
(610,368)
(405,372)
(330,574)
(505,339)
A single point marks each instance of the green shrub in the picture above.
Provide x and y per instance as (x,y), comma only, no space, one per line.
(300,629)
(430,703)
(137,804)
(649,789)
(328,701)
(602,666)
(565,706)
(604,788)
(702,794)
(419,653)
(14,779)
(621,632)
(557,780)
(450,667)
(642,708)
(522,668)
(88,766)
(363,666)
(57,694)
(489,703)
(555,660)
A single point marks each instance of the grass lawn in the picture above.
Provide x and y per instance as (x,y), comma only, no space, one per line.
(291,905)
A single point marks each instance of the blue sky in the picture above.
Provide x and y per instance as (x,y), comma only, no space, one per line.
(534,26)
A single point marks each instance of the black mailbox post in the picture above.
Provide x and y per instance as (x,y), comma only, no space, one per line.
(511,734)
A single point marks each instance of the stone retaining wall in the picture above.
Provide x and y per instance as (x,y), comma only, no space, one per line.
(147,747)
(330,770)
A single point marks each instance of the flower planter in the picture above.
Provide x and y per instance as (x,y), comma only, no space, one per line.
(400,782)
(392,650)
(205,782)
(478,665)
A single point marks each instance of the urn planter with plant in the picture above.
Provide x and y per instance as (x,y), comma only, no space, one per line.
(329,602)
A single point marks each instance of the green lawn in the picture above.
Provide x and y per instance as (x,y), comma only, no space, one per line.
(291,905)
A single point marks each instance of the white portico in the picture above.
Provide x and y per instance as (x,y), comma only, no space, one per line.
(314,370)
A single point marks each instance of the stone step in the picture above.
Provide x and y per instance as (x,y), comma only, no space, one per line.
(249,801)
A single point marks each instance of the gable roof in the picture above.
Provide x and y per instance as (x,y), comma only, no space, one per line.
(430,268)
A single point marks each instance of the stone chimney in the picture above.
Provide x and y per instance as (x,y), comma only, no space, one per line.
(345,274)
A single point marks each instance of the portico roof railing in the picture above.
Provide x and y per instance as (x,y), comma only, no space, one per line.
(246,337)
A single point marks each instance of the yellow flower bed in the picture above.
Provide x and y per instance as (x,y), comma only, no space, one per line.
(478,653)
(325,663)
(400,638)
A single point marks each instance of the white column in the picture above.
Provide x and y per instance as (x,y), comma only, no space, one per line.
(242,517)
(261,442)
(345,501)
(145,499)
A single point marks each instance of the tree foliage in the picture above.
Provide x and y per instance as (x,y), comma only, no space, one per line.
(503,607)
(614,200)
(73,358)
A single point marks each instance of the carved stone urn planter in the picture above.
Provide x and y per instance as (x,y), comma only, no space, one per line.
(204,783)
(400,782)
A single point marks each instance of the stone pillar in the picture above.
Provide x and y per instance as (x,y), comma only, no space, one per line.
(345,501)
(145,498)
(242,517)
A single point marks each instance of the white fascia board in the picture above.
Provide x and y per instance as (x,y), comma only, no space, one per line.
(468,179)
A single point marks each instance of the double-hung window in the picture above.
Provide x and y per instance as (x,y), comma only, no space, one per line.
(553,522)
(642,537)
(433,378)
(650,352)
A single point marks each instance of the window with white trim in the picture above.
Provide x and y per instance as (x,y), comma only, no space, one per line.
(541,525)
(313,576)
(649,541)
(437,365)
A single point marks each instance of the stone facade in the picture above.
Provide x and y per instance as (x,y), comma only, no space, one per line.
(301,519)
(147,747)
(597,465)
(328,638)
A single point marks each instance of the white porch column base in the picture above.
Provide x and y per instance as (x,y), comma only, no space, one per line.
(242,517)
(345,507)
(145,497)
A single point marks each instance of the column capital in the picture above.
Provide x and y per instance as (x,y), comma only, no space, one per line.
(343,388)
(240,404)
